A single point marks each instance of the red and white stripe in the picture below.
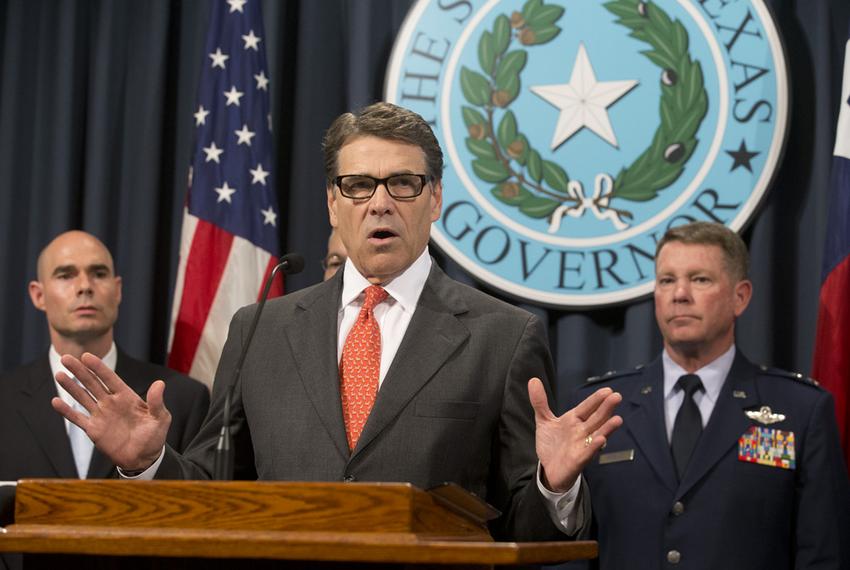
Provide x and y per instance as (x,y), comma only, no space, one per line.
(218,273)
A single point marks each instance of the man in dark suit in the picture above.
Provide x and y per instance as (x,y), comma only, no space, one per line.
(79,293)
(390,371)
(719,463)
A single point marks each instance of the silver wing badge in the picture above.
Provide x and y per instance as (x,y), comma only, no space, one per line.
(765,416)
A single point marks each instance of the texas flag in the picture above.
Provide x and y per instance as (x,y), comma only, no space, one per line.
(832,346)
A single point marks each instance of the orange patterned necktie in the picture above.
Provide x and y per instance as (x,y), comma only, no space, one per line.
(360,366)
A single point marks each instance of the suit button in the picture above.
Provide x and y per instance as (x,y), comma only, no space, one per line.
(674,556)
(350,479)
(678,508)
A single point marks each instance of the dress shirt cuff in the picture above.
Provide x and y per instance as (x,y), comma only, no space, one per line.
(562,507)
(146,475)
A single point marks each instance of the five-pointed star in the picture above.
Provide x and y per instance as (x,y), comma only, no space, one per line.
(244,135)
(251,40)
(218,58)
(742,157)
(236,5)
(201,116)
(258,174)
(233,96)
(224,193)
(583,101)
(213,152)
(269,217)
(262,81)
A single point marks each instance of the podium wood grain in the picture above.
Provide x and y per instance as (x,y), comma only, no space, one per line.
(331,522)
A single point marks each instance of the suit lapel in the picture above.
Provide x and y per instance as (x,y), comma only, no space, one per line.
(100,466)
(47,426)
(647,425)
(433,335)
(312,338)
(728,421)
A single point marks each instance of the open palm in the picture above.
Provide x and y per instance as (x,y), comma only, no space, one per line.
(125,428)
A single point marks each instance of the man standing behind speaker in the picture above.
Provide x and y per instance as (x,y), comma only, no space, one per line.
(720,463)
(79,293)
(335,257)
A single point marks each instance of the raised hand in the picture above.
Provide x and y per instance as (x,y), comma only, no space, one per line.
(565,444)
(125,428)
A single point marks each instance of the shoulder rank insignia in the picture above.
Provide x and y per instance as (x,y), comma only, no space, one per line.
(765,415)
(611,374)
(791,375)
(767,446)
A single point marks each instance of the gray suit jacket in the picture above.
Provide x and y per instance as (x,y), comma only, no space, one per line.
(453,405)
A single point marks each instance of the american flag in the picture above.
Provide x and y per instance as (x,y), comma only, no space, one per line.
(229,241)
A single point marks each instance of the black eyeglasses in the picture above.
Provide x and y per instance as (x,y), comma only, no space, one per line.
(399,186)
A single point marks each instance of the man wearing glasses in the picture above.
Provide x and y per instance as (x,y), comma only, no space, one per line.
(336,256)
(389,371)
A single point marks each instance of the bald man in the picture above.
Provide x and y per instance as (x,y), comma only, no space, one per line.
(79,293)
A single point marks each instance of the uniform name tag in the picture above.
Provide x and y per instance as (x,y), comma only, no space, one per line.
(767,446)
(617,456)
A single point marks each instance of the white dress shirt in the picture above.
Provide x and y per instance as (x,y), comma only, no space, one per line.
(713,376)
(393,314)
(81,446)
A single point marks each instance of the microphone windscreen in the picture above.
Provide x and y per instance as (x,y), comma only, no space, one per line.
(293,263)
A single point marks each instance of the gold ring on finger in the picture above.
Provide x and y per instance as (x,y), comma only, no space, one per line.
(588,440)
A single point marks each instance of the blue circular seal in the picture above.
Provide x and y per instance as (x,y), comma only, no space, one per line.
(577,132)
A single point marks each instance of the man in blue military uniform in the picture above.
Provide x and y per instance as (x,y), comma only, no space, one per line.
(720,463)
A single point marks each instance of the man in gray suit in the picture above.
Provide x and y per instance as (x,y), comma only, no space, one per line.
(389,371)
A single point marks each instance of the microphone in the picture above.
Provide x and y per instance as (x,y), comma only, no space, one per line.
(290,264)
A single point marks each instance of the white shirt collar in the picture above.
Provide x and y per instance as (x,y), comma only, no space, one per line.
(404,289)
(713,374)
(110,359)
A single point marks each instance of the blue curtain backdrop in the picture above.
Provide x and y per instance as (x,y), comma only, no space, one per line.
(96,102)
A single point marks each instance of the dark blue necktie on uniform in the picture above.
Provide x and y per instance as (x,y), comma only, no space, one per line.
(688,425)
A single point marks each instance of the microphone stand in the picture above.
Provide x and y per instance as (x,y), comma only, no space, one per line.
(290,264)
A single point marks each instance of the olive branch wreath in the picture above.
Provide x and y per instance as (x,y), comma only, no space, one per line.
(541,188)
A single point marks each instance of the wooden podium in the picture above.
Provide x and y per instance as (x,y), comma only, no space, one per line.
(249,524)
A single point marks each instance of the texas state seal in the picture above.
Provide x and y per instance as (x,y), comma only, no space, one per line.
(576,132)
